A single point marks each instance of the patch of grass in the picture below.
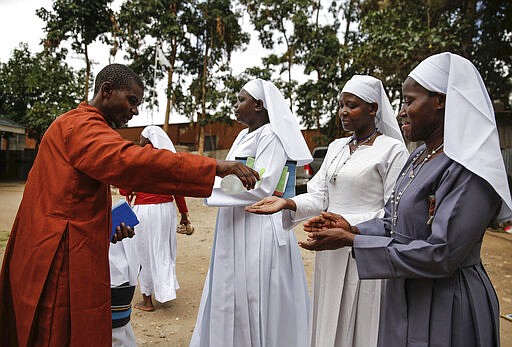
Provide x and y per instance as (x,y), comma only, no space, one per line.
(4,236)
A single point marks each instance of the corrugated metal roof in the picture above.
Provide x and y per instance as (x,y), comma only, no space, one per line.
(10,123)
(9,126)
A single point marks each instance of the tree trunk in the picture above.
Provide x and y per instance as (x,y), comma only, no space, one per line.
(318,103)
(200,146)
(289,60)
(170,73)
(87,74)
(467,39)
(348,18)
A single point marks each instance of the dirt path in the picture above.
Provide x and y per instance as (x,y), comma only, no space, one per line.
(171,324)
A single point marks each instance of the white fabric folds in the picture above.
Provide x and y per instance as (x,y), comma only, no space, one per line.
(470,133)
(282,121)
(370,90)
(158,138)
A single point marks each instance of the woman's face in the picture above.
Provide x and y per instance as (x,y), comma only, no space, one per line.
(246,109)
(356,114)
(419,114)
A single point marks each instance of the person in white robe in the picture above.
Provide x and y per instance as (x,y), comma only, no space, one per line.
(255,293)
(155,235)
(355,179)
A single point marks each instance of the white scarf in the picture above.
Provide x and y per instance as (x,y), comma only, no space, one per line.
(282,121)
(370,90)
(470,133)
(158,138)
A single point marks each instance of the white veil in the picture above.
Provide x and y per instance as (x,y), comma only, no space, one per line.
(470,136)
(158,138)
(282,121)
(370,89)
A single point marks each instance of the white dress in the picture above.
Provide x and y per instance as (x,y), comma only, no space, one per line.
(255,293)
(155,243)
(345,309)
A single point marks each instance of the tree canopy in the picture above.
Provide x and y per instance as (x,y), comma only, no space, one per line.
(79,21)
(312,48)
(36,88)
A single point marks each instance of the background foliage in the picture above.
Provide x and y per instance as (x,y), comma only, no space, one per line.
(326,41)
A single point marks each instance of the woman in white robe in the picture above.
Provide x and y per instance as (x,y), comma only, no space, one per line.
(255,293)
(155,235)
(355,179)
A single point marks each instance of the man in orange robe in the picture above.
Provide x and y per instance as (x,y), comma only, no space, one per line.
(54,284)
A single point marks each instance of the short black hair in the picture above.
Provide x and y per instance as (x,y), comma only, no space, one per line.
(121,76)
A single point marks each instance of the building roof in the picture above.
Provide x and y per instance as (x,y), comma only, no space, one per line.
(10,126)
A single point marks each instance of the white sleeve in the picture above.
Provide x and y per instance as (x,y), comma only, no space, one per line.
(316,200)
(271,156)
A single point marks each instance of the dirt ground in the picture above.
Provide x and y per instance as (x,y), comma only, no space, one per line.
(172,323)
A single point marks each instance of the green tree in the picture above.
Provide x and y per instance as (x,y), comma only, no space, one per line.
(216,33)
(81,22)
(275,22)
(395,35)
(319,50)
(37,88)
(488,44)
(143,26)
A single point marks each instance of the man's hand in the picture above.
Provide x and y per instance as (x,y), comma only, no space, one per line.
(122,231)
(271,204)
(184,219)
(247,175)
(185,226)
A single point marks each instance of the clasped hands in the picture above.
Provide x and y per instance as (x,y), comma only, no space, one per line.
(328,231)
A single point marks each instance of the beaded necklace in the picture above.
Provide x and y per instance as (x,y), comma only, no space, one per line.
(342,162)
(359,142)
(397,195)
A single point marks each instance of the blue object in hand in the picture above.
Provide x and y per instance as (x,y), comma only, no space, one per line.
(122,212)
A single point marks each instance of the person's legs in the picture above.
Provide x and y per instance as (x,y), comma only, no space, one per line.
(123,336)
(142,243)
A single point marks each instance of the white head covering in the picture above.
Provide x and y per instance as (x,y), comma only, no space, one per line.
(470,136)
(158,138)
(370,89)
(282,121)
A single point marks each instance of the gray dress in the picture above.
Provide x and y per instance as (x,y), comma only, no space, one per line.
(437,292)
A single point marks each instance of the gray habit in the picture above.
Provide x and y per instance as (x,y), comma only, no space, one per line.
(437,292)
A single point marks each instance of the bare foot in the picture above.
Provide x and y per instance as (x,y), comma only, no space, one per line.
(144,307)
(146,304)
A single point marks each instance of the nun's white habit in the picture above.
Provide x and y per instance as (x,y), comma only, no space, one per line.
(255,293)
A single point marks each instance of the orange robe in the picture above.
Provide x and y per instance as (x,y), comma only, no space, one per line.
(55,284)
